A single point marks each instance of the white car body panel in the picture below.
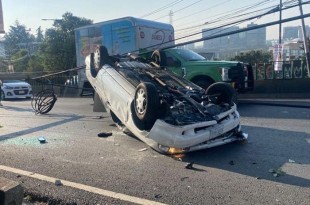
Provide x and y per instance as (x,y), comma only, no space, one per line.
(117,94)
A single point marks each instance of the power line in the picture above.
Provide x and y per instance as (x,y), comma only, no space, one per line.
(229,14)
(243,30)
(273,9)
(181,9)
(240,21)
(161,8)
(219,4)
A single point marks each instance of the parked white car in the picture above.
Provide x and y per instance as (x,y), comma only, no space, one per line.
(15,89)
(167,112)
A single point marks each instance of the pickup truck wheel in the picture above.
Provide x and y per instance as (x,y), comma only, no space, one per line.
(222,93)
(146,105)
(101,57)
(203,84)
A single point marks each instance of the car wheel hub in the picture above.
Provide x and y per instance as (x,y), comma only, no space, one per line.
(141,101)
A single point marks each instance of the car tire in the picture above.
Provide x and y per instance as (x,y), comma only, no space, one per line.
(221,93)
(158,58)
(146,106)
(101,57)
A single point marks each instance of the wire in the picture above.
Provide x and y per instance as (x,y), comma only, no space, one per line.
(219,4)
(276,9)
(161,8)
(181,9)
(229,14)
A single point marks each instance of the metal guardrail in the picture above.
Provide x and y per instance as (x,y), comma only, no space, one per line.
(295,69)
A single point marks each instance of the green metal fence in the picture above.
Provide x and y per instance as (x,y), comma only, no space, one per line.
(294,69)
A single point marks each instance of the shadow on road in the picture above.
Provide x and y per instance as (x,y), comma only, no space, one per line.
(265,150)
(39,128)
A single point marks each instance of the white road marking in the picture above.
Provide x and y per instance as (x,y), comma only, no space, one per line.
(84,187)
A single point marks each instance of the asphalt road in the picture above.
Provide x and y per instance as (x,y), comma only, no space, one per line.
(114,169)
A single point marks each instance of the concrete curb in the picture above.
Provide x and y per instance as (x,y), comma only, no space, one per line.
(11,192)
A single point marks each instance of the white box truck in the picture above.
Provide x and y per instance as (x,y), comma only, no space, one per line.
(121,36)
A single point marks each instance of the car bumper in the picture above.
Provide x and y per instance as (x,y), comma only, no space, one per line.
(13,94)
(199,135)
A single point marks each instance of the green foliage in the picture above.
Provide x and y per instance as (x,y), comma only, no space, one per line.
(16,44)
(40,36)
(17,38)
(35,64)
(254,56)
(58,48)
(20,60)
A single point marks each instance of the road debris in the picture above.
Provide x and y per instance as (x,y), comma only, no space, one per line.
(58,182)
(142,150)
(276,172)
(183,178)
(158,196)
(105,134)
(189,165)
(291,161)
(42,140)
(231,162)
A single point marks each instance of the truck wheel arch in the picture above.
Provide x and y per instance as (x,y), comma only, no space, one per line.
(203,81)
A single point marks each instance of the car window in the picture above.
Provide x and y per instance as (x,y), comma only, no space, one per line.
(172,61)
(189,55)
(12,81)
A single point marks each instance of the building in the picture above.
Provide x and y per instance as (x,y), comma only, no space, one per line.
(294,32)
(230,45)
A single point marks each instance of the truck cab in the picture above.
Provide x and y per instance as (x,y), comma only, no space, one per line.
(203,72)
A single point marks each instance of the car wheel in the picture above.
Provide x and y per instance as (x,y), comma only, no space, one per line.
(146,105)
(101,57)
(2,95)
(221,93)
(158,57)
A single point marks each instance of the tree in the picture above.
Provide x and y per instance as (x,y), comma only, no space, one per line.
(58,48)
(17,38)
(17,44)
(254,56)
(39,35)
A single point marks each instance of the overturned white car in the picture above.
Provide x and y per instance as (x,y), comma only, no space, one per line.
(167,112)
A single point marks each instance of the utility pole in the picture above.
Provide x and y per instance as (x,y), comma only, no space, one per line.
(306,47)
(170,17)
(280,25)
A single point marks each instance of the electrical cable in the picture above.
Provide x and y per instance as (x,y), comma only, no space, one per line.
(192,4)
(161,8)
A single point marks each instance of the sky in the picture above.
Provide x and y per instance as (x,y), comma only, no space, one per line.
(198,14)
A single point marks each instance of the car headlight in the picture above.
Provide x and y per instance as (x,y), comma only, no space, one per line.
(8,87)
(171,150)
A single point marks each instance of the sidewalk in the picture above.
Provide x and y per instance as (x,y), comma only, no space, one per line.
(274,101)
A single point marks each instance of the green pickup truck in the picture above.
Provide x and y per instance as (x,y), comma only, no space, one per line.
(203,72)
